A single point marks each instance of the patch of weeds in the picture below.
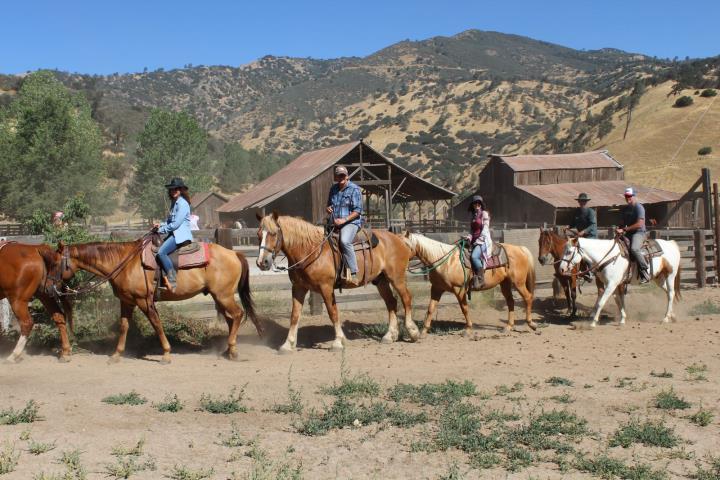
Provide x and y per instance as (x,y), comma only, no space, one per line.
(453,473)
(38,448)
(432,393)
(485,460)
(125,467)
(550,431)
(184,473)
(233,439)
(125,451)
(668,400)
(604,466)
(171,403)
(231,404)
(352,385)
(565,398)
(709,472)
(663,374)
(25,435)
(696,372)
(624,382)
(132,398)
(648,433)
(29,414)
(587,385)
(680,454)
(8,458)
(708,307)
(702,417)
(500,416)
(518,458)
(459,427)
(503,390)
(264,468)
(373,330)
(344,413)
(294,403)
(559,381)
(75,470)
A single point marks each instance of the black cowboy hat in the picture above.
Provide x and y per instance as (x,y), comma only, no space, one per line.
(583,197)
(476,199)
(176,183)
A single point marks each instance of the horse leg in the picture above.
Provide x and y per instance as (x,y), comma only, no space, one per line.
(20,309)
(126,312)
(461,296)
(298,299)
(669,287)
(401,287)
(328,295)
(566,288)
(528,297)
(233,316)
(435,294)
(609,290)
(59,319)
(620,302)
(572,286)
(506,289)
(150,311)
(386,293)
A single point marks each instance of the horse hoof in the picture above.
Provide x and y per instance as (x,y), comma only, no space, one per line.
(423,334)
(165,360)
(230,354)
(532,325)
(286,350)
(388,339)
(114,359)
(64,359)
(508,329)
(337,347)
(593,325)
(10,361)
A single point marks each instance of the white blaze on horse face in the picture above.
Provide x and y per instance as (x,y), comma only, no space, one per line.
(261,252)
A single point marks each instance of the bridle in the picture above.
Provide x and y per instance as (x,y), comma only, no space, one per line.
(599,265)
(277,248)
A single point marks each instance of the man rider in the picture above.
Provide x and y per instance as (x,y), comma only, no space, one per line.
(634,229)
(345,207)
(584,224)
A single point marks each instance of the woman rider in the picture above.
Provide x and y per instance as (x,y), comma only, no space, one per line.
(176,227)
(480,240)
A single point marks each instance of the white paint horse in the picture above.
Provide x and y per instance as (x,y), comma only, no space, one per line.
(604,257)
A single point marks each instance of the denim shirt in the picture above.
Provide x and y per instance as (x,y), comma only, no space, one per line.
(344,202)
(178,222)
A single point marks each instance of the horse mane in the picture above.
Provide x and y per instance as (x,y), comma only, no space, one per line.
(296,232)
(431,248)
(90,253)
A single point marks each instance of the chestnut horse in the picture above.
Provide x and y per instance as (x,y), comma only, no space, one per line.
(448,274)
(23,276)
(120,264)
(313,265)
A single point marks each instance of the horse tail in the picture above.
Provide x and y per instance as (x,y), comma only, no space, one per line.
(678,296)
(245,294)
(530,278)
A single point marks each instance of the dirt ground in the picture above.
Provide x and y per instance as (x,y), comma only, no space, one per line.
(609,367)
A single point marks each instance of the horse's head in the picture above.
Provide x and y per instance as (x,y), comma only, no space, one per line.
(270,238)
(571,256)
(545,247)
(60,267)
(410,240)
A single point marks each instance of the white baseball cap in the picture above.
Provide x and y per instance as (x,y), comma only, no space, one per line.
(629,192)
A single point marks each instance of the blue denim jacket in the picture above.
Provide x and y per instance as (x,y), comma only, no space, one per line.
(346,201)
(178,222)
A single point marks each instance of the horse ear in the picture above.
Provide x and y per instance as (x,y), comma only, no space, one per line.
(275,215)
(407,233)
(259,215)
(61,246)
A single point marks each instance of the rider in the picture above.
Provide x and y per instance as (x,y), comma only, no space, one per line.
(480,240)
(584,224)
(345,207)
(634,230)
(176,227)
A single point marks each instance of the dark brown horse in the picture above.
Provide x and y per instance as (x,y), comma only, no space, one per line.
(226,274)
(551,246)
(22,276)
(313,267)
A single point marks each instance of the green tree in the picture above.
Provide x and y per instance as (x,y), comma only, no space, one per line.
(236,170)
(50,150)
(171,145)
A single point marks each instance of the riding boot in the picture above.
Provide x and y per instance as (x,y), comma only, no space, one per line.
(170,281)
(479,279)
(644,275)
(351,279)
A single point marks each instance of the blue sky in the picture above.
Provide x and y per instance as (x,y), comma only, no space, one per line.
(126,36)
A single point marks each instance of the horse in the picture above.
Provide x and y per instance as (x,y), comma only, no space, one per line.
(551,246)
(453,276)
(23,276)
(120,264)
(313,266)
(611,267)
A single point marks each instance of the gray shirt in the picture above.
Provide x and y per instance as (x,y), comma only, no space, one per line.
(633,213)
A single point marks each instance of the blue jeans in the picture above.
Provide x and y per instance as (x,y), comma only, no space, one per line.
(477,255)
(166,249)
(347,235)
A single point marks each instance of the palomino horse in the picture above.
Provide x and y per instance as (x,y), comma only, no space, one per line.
(22,276)
(313,265)
(120,264)
(604,256)
(551,246)
(452,276)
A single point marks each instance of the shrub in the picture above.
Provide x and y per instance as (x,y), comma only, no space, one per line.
(171,403)
(705,151)
(708,92)
(132,398)
(29,414)
(231,404)
(652,434)
(8,458)
(702,418)
(668,400)
(683,101)
(558,381)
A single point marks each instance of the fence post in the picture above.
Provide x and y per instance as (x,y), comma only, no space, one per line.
(316,303)
(716,231)
(4,315)
(700,257)
(224,238)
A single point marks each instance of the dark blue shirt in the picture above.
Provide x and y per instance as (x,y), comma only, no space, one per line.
(585,219)
(346,201)
(632,213)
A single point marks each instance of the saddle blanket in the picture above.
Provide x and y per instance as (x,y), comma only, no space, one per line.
(498,258)
(194,255)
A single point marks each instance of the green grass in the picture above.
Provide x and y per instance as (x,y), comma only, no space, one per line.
(668,400)
(459,426)
(559,381)
(432,393)
(38,448)
(264,468)
(230,404)
(75,470)
(8,458)
(702,418)
(500,416)
(711,471)
(234,438)
(648,433)
(132,398)
(485,460)
(171,403)
(663,374)
(126,466)
(360,385)
(604,466)
(503,390)
(453,473)
(708,307)
(294,404)
(182,472)
(550,431)
(29,414)
(696,372)
(565,398)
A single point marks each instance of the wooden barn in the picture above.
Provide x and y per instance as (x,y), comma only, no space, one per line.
(538,189)
(301,188)
(205,205)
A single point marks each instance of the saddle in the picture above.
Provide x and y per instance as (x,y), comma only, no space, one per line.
(650,249)
(498,257)
(365,240)
(4,243)
(193,255)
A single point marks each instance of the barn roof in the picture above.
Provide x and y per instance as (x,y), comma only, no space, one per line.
(602,194)
(200,197)
(595,159)
(311,164)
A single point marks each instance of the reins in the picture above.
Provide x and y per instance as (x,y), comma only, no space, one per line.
(281,237)
(600,263)
(425,269)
